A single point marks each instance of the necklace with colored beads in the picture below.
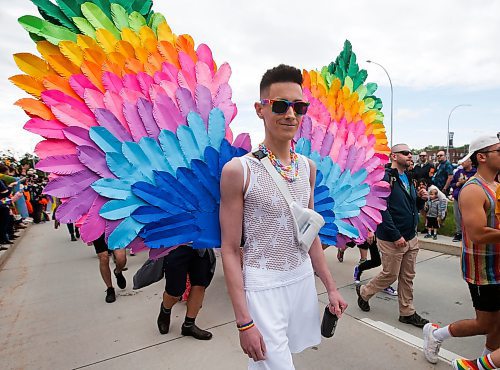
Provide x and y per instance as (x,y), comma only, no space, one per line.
(289,172)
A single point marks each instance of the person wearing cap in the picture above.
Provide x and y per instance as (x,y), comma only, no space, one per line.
(459,179)
(397,238)
(423,168)
(444,173)
(480,253)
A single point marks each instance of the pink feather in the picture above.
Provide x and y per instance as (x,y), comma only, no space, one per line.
(130,96)
(166,114)
(203,74)
(187,64)
(52,147)
(171,71)
(54,97)
(79,83)
(48,129)
(94,225)
(71,117)
(134,121)
(224,93)
(186,81)
(243,141)
(145,82)
(154,90)
(94,99)
(114,104)
(221,77)
(61,165)
(205,55)
(112,82)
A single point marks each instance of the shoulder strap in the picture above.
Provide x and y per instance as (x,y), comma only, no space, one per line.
(278,180)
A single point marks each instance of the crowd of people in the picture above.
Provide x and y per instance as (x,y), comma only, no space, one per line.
(270,275)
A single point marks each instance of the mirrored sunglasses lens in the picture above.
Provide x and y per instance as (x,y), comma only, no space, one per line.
(300,108)
(279,106)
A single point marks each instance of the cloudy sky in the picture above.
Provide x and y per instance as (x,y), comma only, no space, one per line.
(438,53)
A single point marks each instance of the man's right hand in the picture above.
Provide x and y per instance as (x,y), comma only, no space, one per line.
(252,343)
(400,243)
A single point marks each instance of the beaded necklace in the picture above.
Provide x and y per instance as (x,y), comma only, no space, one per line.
(290,172)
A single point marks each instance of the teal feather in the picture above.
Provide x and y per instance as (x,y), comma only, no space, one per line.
(113,188)
(171,149)
(196,124)
(72,8)
(139,160)
(216,128)
(153,151)
(124,234)
(118,164)
(105,140)
(54,14)
(188,143)
(117,209)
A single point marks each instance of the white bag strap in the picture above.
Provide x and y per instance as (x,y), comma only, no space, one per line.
(280,182)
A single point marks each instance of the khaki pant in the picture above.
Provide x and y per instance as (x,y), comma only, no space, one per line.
(397,263)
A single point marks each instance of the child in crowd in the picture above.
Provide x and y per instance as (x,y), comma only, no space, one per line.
(435,214)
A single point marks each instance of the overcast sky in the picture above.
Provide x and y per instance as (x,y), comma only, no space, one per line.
(438,53)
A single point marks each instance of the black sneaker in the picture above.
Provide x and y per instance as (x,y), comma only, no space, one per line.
(363,305)
(195,332)
(120,280)
(457,238)
(427,236)
(163,321)
(414,320)
(110,295)
(73,238)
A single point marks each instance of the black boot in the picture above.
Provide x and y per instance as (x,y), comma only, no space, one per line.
(163,320)
(190,329)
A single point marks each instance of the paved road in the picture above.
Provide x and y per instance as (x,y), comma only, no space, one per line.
(53,316)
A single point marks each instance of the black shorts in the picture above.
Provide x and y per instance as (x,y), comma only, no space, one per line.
(183,261)
(100,245)
(432,223)
(485,297)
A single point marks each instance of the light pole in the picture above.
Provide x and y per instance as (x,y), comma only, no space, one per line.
(392,91)
(448,137)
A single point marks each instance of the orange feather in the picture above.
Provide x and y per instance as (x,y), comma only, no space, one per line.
(35,108)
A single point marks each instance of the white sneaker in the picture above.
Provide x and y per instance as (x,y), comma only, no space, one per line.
(431,344)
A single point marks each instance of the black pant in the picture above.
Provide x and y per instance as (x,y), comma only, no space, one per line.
(73,230)
(374,260)
(4,223)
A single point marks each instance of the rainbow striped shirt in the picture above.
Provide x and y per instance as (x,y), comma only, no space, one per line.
(481,262)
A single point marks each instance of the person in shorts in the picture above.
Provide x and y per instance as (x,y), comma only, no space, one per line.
(199,264)
(103,253)
(480,253)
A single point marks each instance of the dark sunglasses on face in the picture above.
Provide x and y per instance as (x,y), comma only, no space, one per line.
(491,151)
(440,155)
(404,152)
(281,106)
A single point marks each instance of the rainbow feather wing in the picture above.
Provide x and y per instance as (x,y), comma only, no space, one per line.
(133,116)
(343,133)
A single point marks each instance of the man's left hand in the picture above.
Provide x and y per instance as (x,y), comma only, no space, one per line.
(337,304)
(422,193)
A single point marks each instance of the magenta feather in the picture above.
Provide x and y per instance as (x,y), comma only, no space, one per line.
(48,129)
(130,82)
(145,82)
(243,141)
(93,226)
(112,82)
(205,55)
(52,147)
(170,71)
(55,97)
(79,83)
(61,165)
(187,64)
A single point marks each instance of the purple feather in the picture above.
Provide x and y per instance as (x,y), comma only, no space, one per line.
(71,185)
(145,82)
(48,129)
(94,225)
(61,165)
(327,144)
(108,120)
(112,82)
(145,110)
(79,136)
(156,253)
(306,128)
(203,99)
(130,82)
(111,225)
(74,208)
(79,83)
(166,114)
(376,202)
(243,141)
(95,160)
(224,93)
(185,102)
(134,121)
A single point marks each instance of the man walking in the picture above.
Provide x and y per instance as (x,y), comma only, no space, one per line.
(274,298)
(459,179)
(444,173)
(480,254)
(397,240)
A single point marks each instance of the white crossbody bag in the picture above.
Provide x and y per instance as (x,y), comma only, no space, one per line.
(307,221)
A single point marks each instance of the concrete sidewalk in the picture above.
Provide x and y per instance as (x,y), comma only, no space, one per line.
(53,316)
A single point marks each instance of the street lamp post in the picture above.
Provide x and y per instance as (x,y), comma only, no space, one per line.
(448,137)
(392,91)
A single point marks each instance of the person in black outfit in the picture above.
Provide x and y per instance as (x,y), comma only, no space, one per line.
(423,169)
(4,214)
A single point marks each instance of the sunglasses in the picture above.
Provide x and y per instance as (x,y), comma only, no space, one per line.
(491,151)
(440,155)
(404,152)
(281,106)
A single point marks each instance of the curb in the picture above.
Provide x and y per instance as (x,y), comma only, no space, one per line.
(4,255)
(441,246)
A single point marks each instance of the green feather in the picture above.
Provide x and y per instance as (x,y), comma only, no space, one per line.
(35,37)
(125,4)
(371,87)
(360,78)
(98,19)
(353,66)
(155,21)
(51,33)
(119,16)
(72,8)
(361,91)
(84,26)
(348,83)
(105,6)
(136,21)
(143,6)
(53,14)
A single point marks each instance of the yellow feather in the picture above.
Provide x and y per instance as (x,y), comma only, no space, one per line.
(45,48)
(71,51)
(29,84)
(146,33)
(94,73)
(156,60)
(164,33)
(63,66)
(125,49)
(95,55)
(85,42)
(106,40)
(117,58)
(141,54)
(167,50)
(36,108)
(131,37)
(150,69)
(55,82)
(32,65)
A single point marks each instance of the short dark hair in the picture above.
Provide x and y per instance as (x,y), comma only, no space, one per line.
(281,73)
(3,168)
(473,159)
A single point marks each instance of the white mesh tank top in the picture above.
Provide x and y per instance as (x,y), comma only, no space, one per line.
(271,253)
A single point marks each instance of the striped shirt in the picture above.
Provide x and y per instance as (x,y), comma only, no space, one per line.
(481,262)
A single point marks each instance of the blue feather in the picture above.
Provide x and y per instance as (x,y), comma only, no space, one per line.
(117,209)
(210,183)
(149,193)
(105,140)
(187,178)
(180,235)
(124,234)
(148,214)
(154,153)
(113,188)
(179,194)
(216,127)
(196,124)
(171,149)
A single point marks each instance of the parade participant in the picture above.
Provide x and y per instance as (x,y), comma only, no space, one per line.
(489,361)
(397,240)
(274,298)
(102,251)
(459,179)
(480,252)
(200,265)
